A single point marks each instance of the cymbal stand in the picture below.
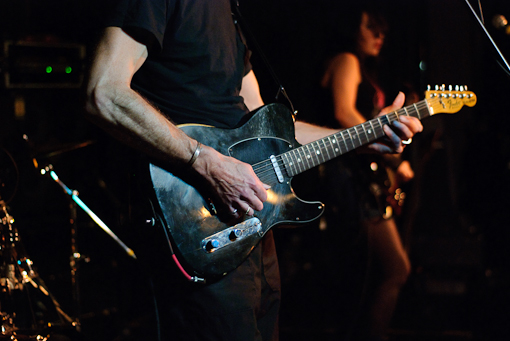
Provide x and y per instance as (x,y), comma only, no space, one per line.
(76,256)
(16,271)
(8,280)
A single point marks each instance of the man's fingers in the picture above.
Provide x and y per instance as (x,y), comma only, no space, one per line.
(398,102)
(394,139)
(412,123)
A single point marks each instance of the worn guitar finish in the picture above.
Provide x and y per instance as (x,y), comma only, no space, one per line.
(211,245)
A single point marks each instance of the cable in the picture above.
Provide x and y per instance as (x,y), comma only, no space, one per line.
(174,257)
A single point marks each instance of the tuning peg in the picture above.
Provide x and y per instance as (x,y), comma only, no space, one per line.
(437,87)
(456,88)
(450,87)
(443,87)
(428,87)
(465,87)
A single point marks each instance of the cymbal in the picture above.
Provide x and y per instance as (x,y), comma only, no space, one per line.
(49,152)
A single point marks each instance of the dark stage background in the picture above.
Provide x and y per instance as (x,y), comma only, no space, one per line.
(455,224)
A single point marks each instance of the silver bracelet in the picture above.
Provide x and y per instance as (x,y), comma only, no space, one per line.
(195,155)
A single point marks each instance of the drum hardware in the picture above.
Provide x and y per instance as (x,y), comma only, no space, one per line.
(76,256)
(17,276)
(8,176)
(24,298)
(74,196)
(55,150)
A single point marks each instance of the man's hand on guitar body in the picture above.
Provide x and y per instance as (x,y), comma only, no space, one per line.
(233,183)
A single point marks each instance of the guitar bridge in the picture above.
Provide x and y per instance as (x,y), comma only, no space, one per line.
(232,234)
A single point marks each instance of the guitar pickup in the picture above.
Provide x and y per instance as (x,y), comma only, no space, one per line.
(232,234)
(277,169)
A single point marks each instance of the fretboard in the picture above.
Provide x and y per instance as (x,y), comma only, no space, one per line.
(315,153)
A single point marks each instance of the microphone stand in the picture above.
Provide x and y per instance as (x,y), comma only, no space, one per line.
(490,38)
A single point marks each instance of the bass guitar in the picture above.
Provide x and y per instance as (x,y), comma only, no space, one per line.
(210,245)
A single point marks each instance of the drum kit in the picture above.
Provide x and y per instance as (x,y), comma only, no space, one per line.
(28,310)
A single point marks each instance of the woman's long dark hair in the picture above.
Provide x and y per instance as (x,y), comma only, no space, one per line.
(342,27)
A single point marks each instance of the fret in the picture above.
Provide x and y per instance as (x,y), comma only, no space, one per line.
(292,162)
(328,147)
(351,138)
(407,113)
(306,156)
(385,119)
(380,131)
(372,130)
(393,116)
(346,145)
(335,150)
(338,144)
(334,146)
(295,160)
(287,164)
(426,110)
(312,154)
(417,111)
(398,114)
(410,113)
(365,132)
(299,160)
(302,157)
(286,161)
(320,151)
(359,137)
(348,140)
(365,136)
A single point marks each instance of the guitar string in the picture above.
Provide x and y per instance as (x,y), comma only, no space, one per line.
(264,169)
(326,140)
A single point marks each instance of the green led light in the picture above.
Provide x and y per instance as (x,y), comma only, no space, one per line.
(49,69)
(69,69)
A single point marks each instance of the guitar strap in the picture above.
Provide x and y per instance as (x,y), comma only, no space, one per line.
(238,18)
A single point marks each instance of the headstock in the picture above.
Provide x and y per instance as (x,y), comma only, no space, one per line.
(449,101)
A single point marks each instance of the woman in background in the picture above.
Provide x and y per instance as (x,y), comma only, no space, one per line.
(354,96)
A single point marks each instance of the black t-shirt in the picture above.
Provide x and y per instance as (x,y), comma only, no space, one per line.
(196,61)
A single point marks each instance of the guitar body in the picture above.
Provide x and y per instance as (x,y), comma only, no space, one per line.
(190,215)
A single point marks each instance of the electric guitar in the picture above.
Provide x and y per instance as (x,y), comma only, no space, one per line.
(210,245)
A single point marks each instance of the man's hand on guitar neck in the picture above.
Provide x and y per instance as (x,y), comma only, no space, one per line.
(233,182)
(404,129)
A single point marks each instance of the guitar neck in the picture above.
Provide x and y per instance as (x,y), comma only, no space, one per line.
(315,153)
